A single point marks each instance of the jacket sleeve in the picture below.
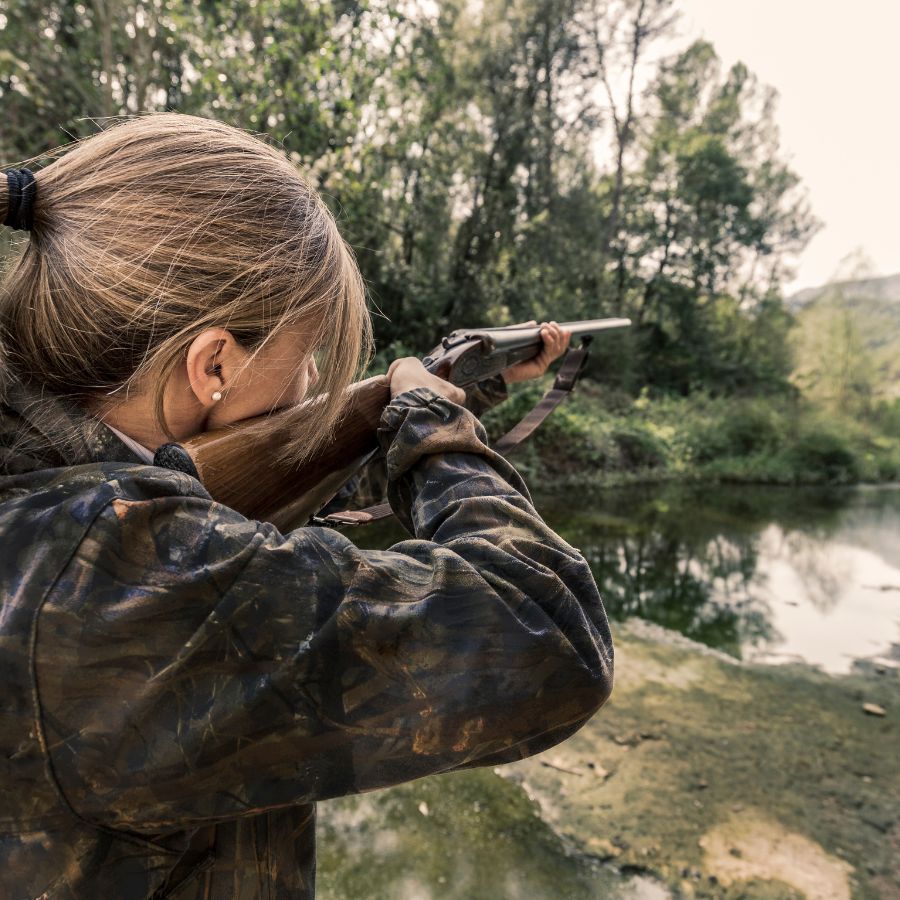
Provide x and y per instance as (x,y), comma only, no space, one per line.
(194,665)
(368,486)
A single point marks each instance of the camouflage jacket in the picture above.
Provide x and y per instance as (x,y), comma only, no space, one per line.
(181,684)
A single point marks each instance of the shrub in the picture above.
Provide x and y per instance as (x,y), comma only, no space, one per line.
(824,455)
(742,430)
(759,439)
(638,448)
(887,416)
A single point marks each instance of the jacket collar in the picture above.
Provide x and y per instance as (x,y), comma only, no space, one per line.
(40,430)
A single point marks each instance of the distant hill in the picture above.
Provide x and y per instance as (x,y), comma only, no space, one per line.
(875,289)
(848,332)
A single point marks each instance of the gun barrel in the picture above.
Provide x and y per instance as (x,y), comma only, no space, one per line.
(592,326)
(508,336)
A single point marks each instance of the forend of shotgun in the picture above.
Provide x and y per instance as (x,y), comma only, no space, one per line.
(468,355)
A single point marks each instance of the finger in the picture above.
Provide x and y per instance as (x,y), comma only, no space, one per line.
(454,392)
(559,346)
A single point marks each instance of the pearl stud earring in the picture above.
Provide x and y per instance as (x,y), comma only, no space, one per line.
(217,396)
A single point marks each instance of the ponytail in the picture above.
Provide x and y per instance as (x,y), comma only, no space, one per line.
(160,227)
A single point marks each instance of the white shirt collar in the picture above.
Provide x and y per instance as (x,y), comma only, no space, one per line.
(139,449)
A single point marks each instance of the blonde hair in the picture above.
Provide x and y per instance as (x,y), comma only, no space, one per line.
(159,227)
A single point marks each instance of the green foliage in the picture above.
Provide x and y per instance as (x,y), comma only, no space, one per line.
(600,436)
(847,350)
(637,447)
(826,454)
(886,415)
(742,429)
(457,145)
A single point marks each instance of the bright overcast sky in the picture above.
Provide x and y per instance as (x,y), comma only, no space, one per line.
(836,67)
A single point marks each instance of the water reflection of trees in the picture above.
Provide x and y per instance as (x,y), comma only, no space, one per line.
(699,588)
(812,558)
(689,558)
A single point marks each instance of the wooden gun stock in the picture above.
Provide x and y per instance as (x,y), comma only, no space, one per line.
(240,467)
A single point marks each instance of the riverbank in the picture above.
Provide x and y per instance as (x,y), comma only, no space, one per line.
(702,777)
(781,439)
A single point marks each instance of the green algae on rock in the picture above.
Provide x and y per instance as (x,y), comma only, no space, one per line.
(469,835)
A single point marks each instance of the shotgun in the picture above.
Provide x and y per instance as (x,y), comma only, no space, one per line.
(239,465)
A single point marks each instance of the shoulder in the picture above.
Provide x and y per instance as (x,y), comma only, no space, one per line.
(145,518)
(100,511)
(94,485)
(56,507)
(159,535)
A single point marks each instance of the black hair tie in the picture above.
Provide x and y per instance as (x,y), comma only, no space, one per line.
(20,208)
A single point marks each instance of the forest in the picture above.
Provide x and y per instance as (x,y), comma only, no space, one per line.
(494,161)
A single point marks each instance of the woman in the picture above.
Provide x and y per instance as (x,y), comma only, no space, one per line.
(182,684)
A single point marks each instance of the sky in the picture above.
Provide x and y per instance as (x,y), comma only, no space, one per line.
(836,67)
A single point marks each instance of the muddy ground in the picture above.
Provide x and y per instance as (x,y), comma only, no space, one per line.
(702,777)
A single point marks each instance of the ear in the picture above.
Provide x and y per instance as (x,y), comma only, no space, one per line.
(213,358)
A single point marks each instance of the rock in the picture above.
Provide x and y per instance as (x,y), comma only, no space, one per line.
(603,848)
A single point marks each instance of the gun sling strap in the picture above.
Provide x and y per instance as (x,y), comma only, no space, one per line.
(566,379)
